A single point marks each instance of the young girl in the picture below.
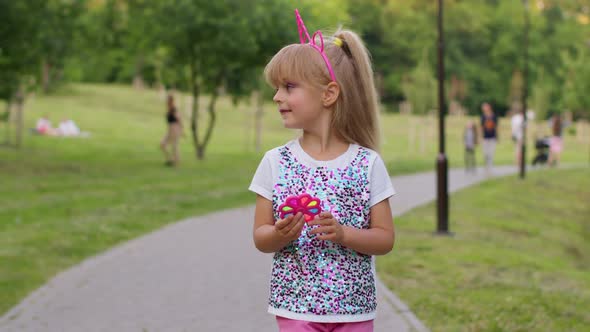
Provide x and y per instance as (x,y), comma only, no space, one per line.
(323,275)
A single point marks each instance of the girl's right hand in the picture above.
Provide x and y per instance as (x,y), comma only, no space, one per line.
(290,228)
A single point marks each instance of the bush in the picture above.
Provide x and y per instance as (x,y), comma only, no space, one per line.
(571,130)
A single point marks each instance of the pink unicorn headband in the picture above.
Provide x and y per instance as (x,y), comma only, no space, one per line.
(304,37)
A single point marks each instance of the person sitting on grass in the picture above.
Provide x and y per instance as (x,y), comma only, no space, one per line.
(68,128)
(45,128)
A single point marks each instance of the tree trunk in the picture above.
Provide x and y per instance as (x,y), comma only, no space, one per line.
(19,117)
(258,118)
(411,134)
(158,73)
(212,119)
(45,75)
(59,75)
(195,89)
(138,83)
(8,120)
(423,129)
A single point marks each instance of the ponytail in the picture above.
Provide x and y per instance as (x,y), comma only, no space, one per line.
(356,111)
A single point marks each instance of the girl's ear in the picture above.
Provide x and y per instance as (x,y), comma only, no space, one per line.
(330,94)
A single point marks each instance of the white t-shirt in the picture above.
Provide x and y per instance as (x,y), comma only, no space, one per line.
(265,176)
(315,280)
(69,128)
(516,124)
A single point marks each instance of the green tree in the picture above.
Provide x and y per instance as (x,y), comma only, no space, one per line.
(468,43)
(396,33)
(19,52)
(100,43)
(216,43)
(420,87)
(483,42)
(58,26)
(141,41)
(19,55)
(516,92)
(576,75)
(540,99)
(273,24)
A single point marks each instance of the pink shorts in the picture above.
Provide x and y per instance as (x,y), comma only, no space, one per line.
(555,144)
(292,325)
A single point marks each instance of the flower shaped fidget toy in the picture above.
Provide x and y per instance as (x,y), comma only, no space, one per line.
(304,203)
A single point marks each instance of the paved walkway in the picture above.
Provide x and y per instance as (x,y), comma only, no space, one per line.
(200,274)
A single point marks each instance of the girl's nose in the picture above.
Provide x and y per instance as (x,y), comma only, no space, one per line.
(277,98)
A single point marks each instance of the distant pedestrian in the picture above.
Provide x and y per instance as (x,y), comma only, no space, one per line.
(489,126)
(173,133)
(556,141)
(517,129)
(323,274)
(470,142)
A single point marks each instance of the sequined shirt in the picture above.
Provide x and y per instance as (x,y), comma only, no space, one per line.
(311,279)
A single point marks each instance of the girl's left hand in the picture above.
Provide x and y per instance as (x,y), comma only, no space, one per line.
(330,229)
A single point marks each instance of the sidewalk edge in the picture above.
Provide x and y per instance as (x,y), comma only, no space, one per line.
(401,308)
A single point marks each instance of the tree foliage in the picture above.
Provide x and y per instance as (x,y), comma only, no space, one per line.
(19,43)
(201,46)
(220,42)
(419,87)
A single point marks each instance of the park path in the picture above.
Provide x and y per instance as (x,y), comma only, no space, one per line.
(199,274)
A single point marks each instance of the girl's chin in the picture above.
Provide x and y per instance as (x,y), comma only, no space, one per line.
(289,126)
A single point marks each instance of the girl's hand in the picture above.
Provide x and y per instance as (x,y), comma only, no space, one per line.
(330,229)
(290,228)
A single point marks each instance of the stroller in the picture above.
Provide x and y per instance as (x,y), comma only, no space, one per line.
(542,148)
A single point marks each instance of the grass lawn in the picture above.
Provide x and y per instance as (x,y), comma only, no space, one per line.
(65,199)
(518,260)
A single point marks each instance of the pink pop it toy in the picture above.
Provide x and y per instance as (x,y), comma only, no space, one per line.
(304,203)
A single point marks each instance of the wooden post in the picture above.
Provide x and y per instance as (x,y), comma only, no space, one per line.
(19,117)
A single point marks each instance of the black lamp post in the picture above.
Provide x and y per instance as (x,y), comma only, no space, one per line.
(441,160)
(525,90)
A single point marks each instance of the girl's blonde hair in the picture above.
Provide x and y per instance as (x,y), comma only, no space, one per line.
(356,110)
